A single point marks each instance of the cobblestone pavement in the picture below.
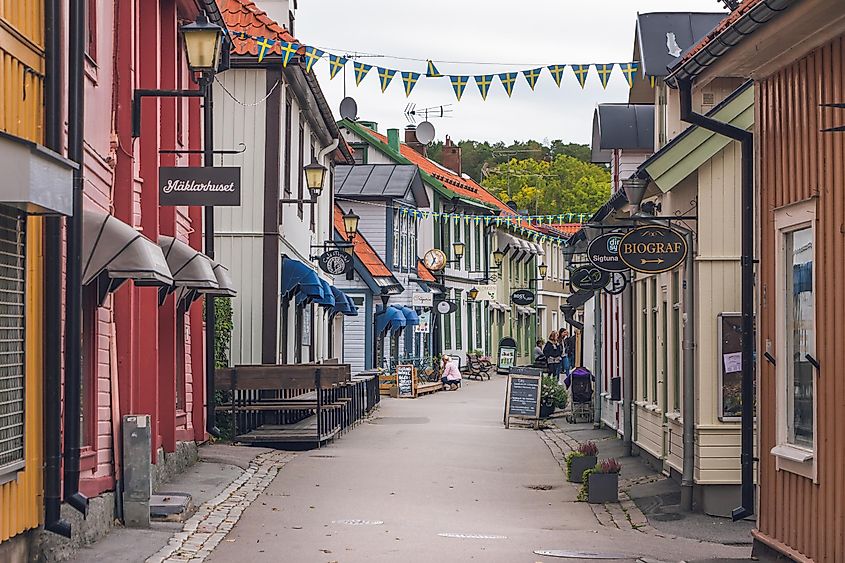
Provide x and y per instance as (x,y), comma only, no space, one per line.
(215,518)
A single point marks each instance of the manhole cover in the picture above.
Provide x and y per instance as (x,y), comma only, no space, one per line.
(564,554)
(667,516)
(359,522)
(472,536)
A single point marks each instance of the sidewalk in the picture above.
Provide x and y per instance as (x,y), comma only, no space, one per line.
(650,500)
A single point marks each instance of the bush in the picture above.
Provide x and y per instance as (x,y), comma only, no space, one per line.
(553,393)
(588,448)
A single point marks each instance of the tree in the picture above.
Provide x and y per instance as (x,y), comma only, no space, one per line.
(564,184)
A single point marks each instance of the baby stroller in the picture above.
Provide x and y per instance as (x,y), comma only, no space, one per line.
(580,384)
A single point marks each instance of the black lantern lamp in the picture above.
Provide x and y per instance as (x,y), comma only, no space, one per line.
(315,173)
(458,248)
(350,223)
(498,258)
(385,297)
(473,293)
(543,269)
(203,41)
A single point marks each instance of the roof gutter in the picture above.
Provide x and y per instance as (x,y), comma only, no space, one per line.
(746,138)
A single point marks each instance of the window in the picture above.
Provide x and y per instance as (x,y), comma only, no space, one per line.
(412,244)
(300,171)
(180,359)
(397,238)
(468,243)
(359,153)
(478,328)
(644,340)
(12,364)
(447,331)
(91,29)
(478,250)
(459,325)
(288,142)
(653,282)
(676,340)
(447,239)
(469,323)
(403,224)
(313,205)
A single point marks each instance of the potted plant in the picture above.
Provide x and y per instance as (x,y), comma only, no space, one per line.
(580,460)
(552,396)
(601,483)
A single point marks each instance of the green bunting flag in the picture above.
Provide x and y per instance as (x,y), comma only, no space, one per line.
(431,70)
(312,55)
(459,83)
(508,80)
(385,75)
(604,73)
(483,82)
(581,72)
(629,71)
(336,63)
(410,80)
(361,71)
(264,45)
(557,73)
(288,51)
(532,75)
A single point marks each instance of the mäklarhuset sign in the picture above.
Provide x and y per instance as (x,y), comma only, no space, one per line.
(199,185)
(653,249)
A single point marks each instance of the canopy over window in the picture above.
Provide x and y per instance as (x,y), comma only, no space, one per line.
(300,281)
(113,248)
(392,319)
(328,298)
(411,317)
(191,268)
(343,303)
(224,281)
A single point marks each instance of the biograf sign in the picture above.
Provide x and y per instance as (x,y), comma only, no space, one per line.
(199,185)
(603,253)
(653,249)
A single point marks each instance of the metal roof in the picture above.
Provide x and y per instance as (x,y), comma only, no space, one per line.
(388,181)
(663,36)
(622,126)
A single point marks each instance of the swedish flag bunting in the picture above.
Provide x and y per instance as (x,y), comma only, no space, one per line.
(459,84)
(336,64)
(629,71)
(581,72)
(361,71)
(557,73)
(604,72)
(508,80)
(312,55)
(242,35)
(410,80)
(288,51)
(651,79)
(264,45)
(385,75)
(431,70)
(483,82)
(532,75)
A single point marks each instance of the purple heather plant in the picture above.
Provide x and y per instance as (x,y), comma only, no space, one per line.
(588,449)
(609,466)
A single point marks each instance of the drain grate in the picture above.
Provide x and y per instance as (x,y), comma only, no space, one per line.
(540,487)
(564,554)
(355,522)
(472,536)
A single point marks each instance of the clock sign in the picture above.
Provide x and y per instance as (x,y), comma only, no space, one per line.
(335,262)
(435,260)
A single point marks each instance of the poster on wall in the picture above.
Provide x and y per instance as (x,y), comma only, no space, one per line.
(425,323)
(730,366)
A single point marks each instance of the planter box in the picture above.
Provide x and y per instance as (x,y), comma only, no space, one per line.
(579,465)
(546,410)
(603,487)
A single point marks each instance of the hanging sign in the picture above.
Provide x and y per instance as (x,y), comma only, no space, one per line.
(589,278)
(422,299)
(617,284)
(603,253)
(486,292)
(522,297)
(199,185)
(335,262)
(446,307)
(653,249)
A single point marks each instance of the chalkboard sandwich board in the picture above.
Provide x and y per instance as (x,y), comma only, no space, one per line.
(406,381)
(523,394)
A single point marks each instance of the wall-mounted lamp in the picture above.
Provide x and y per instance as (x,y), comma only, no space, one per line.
(458,249)
(634,190)
(498,258)
(203,42)
(473,293)
(350,223)
(385,297)
(543,269)
(314,175)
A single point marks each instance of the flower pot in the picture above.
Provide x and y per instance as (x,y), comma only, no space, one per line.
(579,465)
(546,410)
(603,487)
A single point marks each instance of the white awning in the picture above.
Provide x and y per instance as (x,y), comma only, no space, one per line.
(191,268)
(224,280)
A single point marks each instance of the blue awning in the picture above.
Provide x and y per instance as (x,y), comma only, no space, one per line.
(343,303)
(411,317)
(392,319)
(328,299)
(299,280)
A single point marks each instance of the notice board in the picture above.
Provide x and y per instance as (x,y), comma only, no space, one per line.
(406,381)
(523,394)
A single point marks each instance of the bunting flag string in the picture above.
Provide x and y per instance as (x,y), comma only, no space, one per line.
(581,72)
(312,55)
(483,82)
(459,83)
(385,75)
(557,73)
(361,71)
(604,73)
(508,79)
(410,80)
(531,76)
(336,64)
(431,70)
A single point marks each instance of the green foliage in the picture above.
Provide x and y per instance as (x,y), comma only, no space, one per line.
(222,331)
(569,457)
(552,393)
(584,489)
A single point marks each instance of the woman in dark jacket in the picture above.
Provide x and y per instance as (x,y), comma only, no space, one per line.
(553,352)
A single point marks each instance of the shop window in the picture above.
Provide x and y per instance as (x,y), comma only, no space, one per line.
(469,323)
(447,331)
(653,303)
(12,345)
(459,340)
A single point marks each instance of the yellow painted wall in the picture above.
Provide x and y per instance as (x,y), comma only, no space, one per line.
(22,114)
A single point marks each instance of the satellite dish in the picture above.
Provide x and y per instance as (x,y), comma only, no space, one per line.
(425,132)
(349,109)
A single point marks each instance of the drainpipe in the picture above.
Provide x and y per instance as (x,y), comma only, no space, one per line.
(627,368)
(53,285)
(747,282)
(597,371)
(73,264)
(688,475)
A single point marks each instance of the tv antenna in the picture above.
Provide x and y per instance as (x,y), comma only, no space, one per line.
(412,113)
(731,5)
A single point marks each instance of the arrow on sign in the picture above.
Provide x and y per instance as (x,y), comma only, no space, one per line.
(655,261)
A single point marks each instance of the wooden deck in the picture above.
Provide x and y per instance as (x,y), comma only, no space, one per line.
(302,432)
(429,387)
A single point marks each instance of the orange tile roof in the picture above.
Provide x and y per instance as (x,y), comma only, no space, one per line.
(566,228)
(424,273)
(363,250)
(244,16)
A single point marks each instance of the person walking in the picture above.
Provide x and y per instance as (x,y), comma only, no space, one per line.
(553,352)
(567,341)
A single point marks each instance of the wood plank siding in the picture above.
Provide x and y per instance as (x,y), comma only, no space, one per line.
(797,162)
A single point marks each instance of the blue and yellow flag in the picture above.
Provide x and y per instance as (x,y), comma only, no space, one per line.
(264,45)
(242,35)
(483,81)
(508,80)
(459,84)
(288,51)
(557,73)
(532,75)
(312,55)
(604,73)
(581,72)
(361,71)
(336,63)
(629,71)
(431,70)
(385,75)
(652,80)
(410,80)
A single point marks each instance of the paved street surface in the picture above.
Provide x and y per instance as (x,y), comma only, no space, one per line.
(435,479)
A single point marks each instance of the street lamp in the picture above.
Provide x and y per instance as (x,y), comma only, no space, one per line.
(203,41)
(543,269)
(634,189)
(458,249)
(473,293)
(314,175)
(350,223)
(385,297)
(498,258)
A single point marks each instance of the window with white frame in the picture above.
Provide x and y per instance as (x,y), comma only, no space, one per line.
(396,238)
(403,224)
(412,243)
(796,337)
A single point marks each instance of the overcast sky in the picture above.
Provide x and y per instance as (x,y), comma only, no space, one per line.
(515,35)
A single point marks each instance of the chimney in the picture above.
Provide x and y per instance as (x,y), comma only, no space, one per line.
(411,139)
(452,156)
(393,139)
